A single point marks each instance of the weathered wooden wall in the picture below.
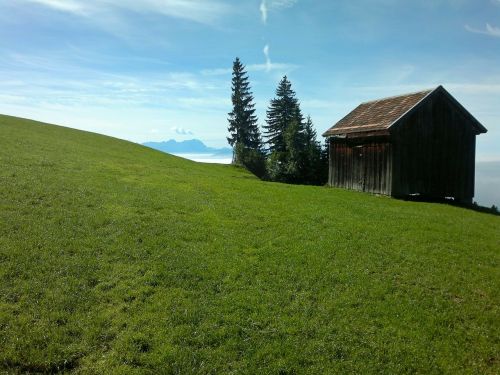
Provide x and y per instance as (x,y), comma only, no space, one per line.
(434,152)
(361,164)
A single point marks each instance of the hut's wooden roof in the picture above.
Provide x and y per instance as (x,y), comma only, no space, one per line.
(381,114)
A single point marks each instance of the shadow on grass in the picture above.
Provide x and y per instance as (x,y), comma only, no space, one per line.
(493,210)
(62,365)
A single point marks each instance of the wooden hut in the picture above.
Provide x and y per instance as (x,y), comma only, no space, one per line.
(422,143)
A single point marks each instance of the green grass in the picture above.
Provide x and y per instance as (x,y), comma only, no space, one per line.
(115,258)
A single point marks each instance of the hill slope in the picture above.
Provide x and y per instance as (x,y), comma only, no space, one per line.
(118,258)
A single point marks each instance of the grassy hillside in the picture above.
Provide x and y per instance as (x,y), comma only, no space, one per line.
(115,258)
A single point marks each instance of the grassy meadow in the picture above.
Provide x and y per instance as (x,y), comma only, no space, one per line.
(115,258)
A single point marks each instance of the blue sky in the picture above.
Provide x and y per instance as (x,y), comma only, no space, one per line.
(152,70)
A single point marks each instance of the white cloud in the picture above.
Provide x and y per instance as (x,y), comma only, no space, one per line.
(268,59)
(492,30)
(202,11)
(486,89)
(489,30)
(181,131)
(71,6)
(269,66)
(217,71)
(209,103)
(282,4)
(263,11)
(266,67)
(32,80)
(274,5)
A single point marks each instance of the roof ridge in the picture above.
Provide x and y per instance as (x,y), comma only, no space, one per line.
(428,91)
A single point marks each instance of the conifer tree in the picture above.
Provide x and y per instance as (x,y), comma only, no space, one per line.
(312,155)
(243,130)
(282,110)
(285,135)
(309,132)
(325,161)
(294,156)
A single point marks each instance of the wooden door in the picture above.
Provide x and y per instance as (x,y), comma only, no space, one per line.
(359,175)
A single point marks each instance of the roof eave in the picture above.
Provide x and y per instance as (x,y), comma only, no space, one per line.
(479,127)
(358,133)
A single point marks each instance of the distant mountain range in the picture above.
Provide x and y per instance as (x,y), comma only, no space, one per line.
(192,146)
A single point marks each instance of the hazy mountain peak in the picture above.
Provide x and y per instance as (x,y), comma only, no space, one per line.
(191,146)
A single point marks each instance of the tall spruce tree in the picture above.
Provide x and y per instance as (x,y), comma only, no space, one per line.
(285,135)
(244,134)
(282,110)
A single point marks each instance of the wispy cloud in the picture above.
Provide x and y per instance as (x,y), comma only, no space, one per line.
(489,30)
(268,59)
(267,66)
(282,4)
(281,67)
(209,103)
(270,66)
(274,5)
(181,131)
(475,88)
(202,11)
(490,90)
(263,11)
(37,80)
(71,6)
